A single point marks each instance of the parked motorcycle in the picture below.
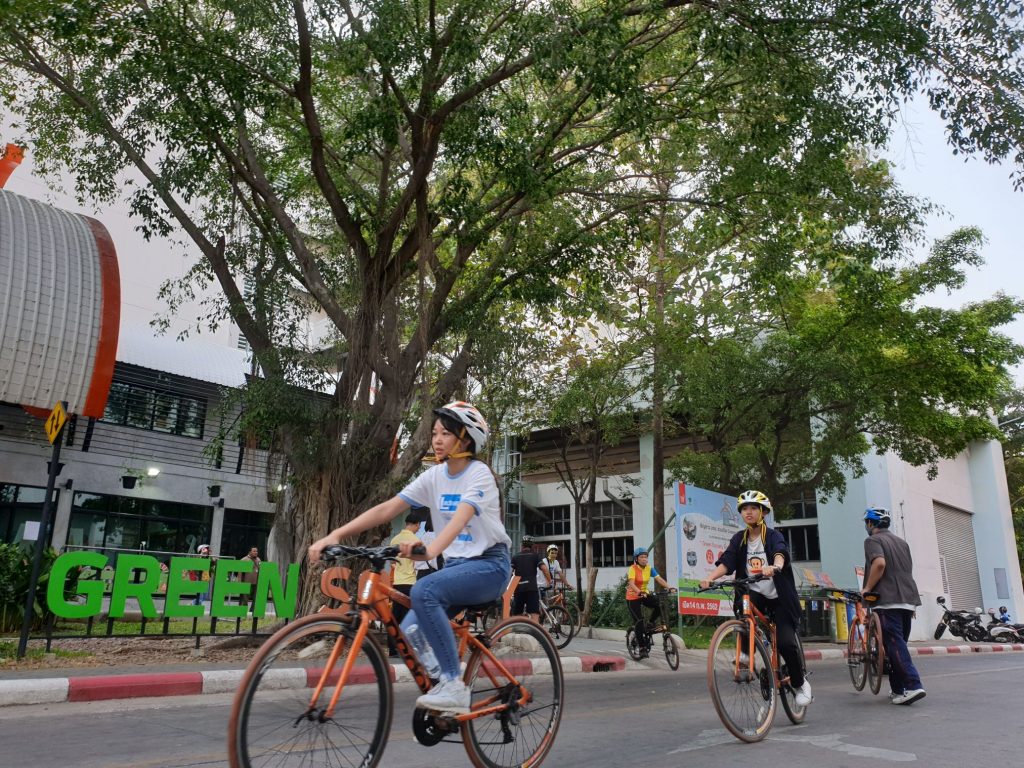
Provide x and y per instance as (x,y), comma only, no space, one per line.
(963,624)
(1000,632)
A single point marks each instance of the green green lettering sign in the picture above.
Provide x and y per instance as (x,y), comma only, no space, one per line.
(179,583)
(269,584)
(91,589)
(223,588)
(125,586)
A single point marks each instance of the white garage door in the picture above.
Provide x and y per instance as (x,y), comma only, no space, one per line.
(960,577)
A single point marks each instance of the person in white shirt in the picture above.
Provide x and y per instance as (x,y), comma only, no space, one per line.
(462,494)
(554,568)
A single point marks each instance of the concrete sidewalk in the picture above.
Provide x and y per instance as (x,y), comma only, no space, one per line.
(602,651)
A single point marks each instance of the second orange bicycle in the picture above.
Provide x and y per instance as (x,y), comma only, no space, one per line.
(865,651)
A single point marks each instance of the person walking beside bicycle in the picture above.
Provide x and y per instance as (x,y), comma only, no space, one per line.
(638,596)
(758,549)
(555,574)
(462,495)
(527,565)
(888,571)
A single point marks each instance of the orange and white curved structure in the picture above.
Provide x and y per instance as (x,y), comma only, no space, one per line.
(60,303)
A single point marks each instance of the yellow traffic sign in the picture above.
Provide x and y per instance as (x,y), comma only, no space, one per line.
(55,421)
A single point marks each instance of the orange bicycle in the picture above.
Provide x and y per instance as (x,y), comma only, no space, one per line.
(865,651)
(319,691)
(746,676)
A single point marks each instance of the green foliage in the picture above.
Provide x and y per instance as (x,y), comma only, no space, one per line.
(15,574)
(403,173)
(816,367)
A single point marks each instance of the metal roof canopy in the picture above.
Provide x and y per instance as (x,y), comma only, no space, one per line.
(60,305)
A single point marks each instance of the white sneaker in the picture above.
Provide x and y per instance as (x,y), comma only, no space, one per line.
(744,659)
(803,695)
(447,696)
(909,697)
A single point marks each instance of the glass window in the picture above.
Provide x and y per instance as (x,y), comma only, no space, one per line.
(114,523)
(558,522)
(143,407)
(805,507)
(610,553)
(20,504)
(610,517)
(140,408)
(803,542)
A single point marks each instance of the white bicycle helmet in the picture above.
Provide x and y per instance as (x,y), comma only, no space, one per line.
(470,418)
(754,497)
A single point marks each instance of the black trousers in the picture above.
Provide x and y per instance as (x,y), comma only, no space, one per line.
(636,611)
(786,635)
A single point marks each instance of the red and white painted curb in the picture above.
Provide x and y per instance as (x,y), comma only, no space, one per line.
(926,650)
(103,687)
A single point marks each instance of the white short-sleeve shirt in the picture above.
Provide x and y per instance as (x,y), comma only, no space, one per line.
(443,493)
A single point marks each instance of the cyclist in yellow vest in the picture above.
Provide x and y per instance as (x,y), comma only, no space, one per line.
(638,579)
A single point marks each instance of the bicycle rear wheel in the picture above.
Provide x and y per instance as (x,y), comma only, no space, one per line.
(671,650)
(876,654)
(794,712)
(745,700)
(274,721)
(525,684)
(559,624)
(856,658)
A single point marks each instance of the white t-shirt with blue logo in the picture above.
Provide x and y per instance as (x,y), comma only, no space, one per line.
(443,493)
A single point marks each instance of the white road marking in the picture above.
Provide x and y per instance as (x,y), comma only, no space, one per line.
(831,741)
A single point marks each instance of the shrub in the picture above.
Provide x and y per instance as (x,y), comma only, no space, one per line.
(15,572)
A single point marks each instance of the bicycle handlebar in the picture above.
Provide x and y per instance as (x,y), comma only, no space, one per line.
(341,551)
(853,596)
(733,583)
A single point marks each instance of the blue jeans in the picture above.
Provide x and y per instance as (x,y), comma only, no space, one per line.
(903,674)
(462,581)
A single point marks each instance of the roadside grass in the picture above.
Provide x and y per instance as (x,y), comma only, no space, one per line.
(9,652)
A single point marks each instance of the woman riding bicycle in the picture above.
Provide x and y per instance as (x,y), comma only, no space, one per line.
(760,549)
(638,579)
(462,496)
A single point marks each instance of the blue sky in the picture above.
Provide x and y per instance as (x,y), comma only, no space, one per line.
(972,193)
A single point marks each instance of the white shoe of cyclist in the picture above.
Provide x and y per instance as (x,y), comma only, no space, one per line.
(803,695)
(447,696)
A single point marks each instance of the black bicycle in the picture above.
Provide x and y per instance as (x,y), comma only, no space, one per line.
(639,645)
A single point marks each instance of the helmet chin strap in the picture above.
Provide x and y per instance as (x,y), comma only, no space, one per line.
(433,459)
(759,524)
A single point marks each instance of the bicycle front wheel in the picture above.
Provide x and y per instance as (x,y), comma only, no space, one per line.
(276,722)
(876,654)
(743,691)
(559,625)
(794,712)
(634,644)
(856,657)
(524,683)
(668,642)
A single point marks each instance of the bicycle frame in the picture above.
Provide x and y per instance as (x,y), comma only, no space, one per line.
(757,620)
(373,602)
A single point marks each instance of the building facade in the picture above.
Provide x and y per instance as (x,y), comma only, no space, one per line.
(958,525)
(153,474)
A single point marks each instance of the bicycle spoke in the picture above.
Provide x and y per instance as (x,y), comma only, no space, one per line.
(272,721)
(742,690)
(517,734)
